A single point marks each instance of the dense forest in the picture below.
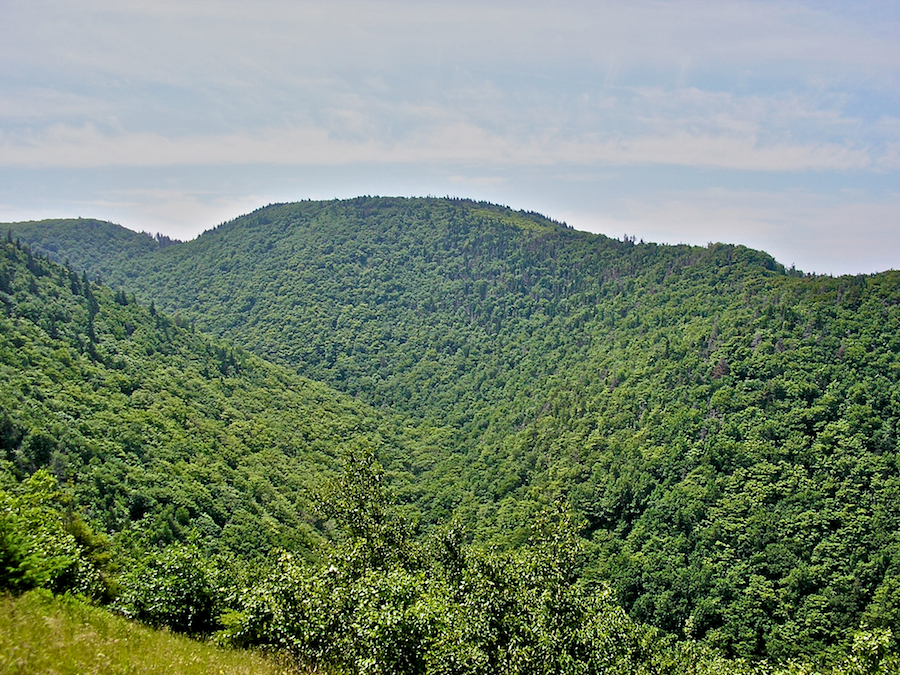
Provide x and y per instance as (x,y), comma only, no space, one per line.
(461,406)
(119,398)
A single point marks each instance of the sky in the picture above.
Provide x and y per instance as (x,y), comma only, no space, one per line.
(770,124)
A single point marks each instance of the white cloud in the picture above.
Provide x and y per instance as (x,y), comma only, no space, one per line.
(205,44)
(86,146)
(143,83)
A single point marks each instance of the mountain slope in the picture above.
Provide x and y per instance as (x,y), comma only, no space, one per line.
(200,462)
(159,431)
(403,302)
(728,430)
(108,250)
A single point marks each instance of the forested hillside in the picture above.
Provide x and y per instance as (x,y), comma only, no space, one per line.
(727,429)
(156,431)
(106,249)
(190,485)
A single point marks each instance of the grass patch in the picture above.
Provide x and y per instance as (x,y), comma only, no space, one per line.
(40,633)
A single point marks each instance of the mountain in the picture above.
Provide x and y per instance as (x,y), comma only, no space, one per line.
(178,480)
(83,243)
(727,428)
(158,430)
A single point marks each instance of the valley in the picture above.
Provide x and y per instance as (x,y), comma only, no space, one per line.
(384,386)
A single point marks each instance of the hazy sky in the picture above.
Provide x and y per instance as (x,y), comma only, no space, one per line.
(771,124)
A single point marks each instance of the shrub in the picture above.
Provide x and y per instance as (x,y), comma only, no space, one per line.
(174,587)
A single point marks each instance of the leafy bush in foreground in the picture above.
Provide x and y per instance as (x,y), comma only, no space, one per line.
(440,606)
(450,610)
(174,587)
(44,546)
(381,602)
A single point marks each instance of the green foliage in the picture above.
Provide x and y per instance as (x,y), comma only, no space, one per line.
(176,587)
(439,607)
(155,431)
(43,546)
(727,430)
(359,498)
(110,252)
(446,607)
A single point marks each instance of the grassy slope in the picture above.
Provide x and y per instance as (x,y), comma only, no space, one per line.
(43,635)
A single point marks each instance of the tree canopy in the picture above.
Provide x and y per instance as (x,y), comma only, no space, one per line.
(726,428)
